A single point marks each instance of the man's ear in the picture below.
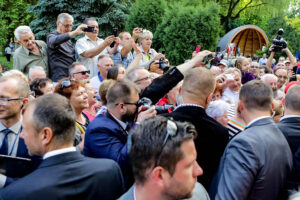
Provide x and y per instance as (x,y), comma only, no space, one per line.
(208,99)
(159,176)
(46,136)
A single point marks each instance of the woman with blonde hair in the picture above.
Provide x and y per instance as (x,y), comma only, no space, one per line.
(243,64)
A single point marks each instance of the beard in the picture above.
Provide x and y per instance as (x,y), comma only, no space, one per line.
(128,117)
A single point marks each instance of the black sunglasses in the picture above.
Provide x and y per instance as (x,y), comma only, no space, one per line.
(83,72)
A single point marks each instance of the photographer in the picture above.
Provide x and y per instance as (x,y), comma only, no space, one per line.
(90,47)
(280,45)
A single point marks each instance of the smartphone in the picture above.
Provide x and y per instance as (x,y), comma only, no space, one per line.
(163,52)
(115,33)
(207,59)
(198,48)
(89,29)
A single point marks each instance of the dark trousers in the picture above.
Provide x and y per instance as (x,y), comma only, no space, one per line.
(8,57)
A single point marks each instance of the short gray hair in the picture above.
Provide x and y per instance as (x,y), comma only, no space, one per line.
(31,69)
(292,98)
(63,16)
(146,34)
(268,76)
(232,70)
(217,108)
(22,30)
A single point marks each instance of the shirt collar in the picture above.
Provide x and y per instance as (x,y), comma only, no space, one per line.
(188,105)
(259,118)
(288,116)
(142,50)
(87,38)
(58,151)
(14,128)
(27,51)
(123,124)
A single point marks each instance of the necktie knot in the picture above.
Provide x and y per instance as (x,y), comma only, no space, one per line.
(6,131)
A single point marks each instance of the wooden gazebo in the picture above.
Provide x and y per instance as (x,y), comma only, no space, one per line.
(248,38)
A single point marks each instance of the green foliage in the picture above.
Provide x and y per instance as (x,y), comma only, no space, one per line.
(109,14)
(13,14)
(146,13)
(183,28)
(4,64)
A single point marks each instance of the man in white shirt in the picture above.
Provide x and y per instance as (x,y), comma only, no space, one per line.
(64,173)
(90,47)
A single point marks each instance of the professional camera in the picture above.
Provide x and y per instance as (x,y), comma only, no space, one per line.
(162,64)
(147,103)
(278,42)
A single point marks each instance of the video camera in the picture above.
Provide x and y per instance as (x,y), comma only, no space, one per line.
(147,103)
(278,42)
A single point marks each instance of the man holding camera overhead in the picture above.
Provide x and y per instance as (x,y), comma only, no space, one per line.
(90,47)
(60,48)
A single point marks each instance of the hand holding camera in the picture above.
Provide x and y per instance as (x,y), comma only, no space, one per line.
(108,40)
(145,113)
(278,43)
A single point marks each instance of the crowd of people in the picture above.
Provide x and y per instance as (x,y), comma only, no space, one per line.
(112,119)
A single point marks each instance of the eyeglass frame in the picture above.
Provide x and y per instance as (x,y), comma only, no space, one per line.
(83,72)
(7,100)
(252,66)
(128,103)
(66,25)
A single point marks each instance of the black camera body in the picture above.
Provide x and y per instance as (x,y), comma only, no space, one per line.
(89,29)
(147,103)
(278,42)
(162,64)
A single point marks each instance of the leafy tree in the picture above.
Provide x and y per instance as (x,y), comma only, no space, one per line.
(183,28)
(109,13)
(13,14)
(146,13)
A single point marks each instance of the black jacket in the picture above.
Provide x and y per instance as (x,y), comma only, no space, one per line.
(211,140)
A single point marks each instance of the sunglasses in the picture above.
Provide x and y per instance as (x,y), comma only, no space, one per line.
(83,72)
(65,84)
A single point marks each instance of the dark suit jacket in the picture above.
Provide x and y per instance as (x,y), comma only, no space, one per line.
(290,127)
(211,140)
(255,164)
(104,138)
(69,176)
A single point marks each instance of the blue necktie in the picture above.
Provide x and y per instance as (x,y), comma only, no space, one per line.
(4,147)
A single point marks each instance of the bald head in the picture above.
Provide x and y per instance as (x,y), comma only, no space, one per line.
(198,85)
(292,99)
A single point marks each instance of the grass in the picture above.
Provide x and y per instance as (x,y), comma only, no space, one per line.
(6,65)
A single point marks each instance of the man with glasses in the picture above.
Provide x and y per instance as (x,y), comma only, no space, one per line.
(106,135)
(163,157)
(31,52)
(254,69)
(14,93)
(90,47)
(60,48)
(282,75)
(79,72)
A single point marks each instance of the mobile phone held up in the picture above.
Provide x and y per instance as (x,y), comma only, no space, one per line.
(198,48)
(89,29)
(115,33)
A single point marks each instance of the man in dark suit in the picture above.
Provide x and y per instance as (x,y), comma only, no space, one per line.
(290,127)
(14,93)
(256,162)
(197,89)
(48,131)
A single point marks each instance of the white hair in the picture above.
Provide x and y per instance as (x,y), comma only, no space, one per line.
(268,76)
(22,30)
(15,73)
(63,16)
(146,34)
(32,69)
(217,108)
(231,70)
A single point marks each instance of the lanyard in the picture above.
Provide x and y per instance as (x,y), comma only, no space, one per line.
(100,78)
(17,136)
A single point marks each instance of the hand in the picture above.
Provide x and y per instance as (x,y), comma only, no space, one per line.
(117,40)
(200,56)
(154,66)
(151,112)
(108,40)
(79,29)
(158,56)
(81,144)
(136,33)
(271,49)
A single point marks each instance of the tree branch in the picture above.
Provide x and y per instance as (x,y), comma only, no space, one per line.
(247,6)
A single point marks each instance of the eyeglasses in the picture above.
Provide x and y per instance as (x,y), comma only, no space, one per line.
(284,77)
(83,72)
(5,101)
(67,25)
(254,67)
(128,103)
(142,79)
(65,84)
(171,132)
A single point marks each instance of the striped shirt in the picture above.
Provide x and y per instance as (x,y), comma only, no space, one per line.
(235,127)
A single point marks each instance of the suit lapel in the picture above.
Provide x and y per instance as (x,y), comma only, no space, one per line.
(22,149)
